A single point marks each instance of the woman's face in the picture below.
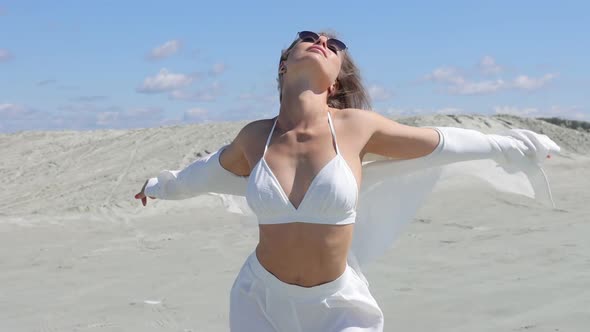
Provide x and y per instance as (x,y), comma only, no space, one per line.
(316,59)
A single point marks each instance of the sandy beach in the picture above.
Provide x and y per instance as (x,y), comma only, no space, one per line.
(79,253)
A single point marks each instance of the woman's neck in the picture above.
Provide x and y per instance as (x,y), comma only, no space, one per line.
(301,106)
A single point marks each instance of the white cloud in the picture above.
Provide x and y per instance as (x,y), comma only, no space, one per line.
(165,50)
(76,116)
(218,69)
(195,114)
(420,111)
(5,55)
(456,83)
(89,99)
(573,112)
(46,82)
(527,83)
(259,98)
(192,96)
(129,118)
(446,75)
(477,88)
(519,111)
(489,66)
(164,81)
(449,110)
(208,94)
(106,118)
(8,111)
(380,93)
(143,113)
(15,117)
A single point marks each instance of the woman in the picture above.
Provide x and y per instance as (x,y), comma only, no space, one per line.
(301,172)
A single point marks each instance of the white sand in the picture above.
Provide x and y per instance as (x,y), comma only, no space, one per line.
(80,254)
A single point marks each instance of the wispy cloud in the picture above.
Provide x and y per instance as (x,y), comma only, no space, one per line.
(195,114)
(89,99)
(165,50)
(5,55)
(14,117)
(572,112)
(420,111)
(68,87)
(528,83)
(449,110)
(164,81)
(46,82)
(106,118)
(129,118)
(3,11)
(210,93)
(269,98)
(455,81)
(12,111)
(380,93)
(477,88)
(488,66)
(519,111)
(92,116)
(446,75)
(218,69)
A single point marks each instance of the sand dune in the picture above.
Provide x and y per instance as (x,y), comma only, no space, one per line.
(80,254)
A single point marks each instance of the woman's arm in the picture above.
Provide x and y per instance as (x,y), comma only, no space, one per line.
(444,145)
(223,171)
(392,139)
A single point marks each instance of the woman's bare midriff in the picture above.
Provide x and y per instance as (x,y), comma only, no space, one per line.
(304,254)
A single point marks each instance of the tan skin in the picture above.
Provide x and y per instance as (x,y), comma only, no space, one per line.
(302,253)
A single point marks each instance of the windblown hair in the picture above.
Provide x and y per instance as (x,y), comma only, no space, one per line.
(350,92)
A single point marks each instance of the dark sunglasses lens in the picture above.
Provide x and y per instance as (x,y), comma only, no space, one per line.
(303,35)
(340,46)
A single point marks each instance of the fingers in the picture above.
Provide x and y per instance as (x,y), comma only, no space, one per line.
(141,196)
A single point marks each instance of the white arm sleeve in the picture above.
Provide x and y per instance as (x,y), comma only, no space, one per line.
(511,150)
(204,175)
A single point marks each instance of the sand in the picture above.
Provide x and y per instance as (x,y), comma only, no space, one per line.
(80,254)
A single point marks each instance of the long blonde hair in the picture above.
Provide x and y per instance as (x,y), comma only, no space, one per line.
(350,92)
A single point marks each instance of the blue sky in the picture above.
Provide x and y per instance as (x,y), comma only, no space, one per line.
(81,65)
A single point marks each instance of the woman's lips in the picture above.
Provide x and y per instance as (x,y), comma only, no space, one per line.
(319,49)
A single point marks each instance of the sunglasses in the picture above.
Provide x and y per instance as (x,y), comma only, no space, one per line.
(334,44)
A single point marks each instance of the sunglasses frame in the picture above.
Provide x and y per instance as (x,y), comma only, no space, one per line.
(336,43)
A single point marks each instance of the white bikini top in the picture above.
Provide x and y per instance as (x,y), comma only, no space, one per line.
(330,199)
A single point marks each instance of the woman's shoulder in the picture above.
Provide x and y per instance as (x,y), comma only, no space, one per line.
(255,127)
(354,117)
(350,113)
(255,130)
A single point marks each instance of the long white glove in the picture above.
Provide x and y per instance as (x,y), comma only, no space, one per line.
(514,150)
(202,176)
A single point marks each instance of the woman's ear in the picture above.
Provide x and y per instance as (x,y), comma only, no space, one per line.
(333,88)
(282,67)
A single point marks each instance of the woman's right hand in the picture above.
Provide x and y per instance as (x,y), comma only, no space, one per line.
(141,195)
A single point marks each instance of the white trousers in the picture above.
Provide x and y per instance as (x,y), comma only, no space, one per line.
(259,302)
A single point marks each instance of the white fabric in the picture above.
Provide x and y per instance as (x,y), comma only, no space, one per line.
(260,302)
(393,190)
(331,197)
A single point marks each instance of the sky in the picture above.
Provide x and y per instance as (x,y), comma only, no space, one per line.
(87,65)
